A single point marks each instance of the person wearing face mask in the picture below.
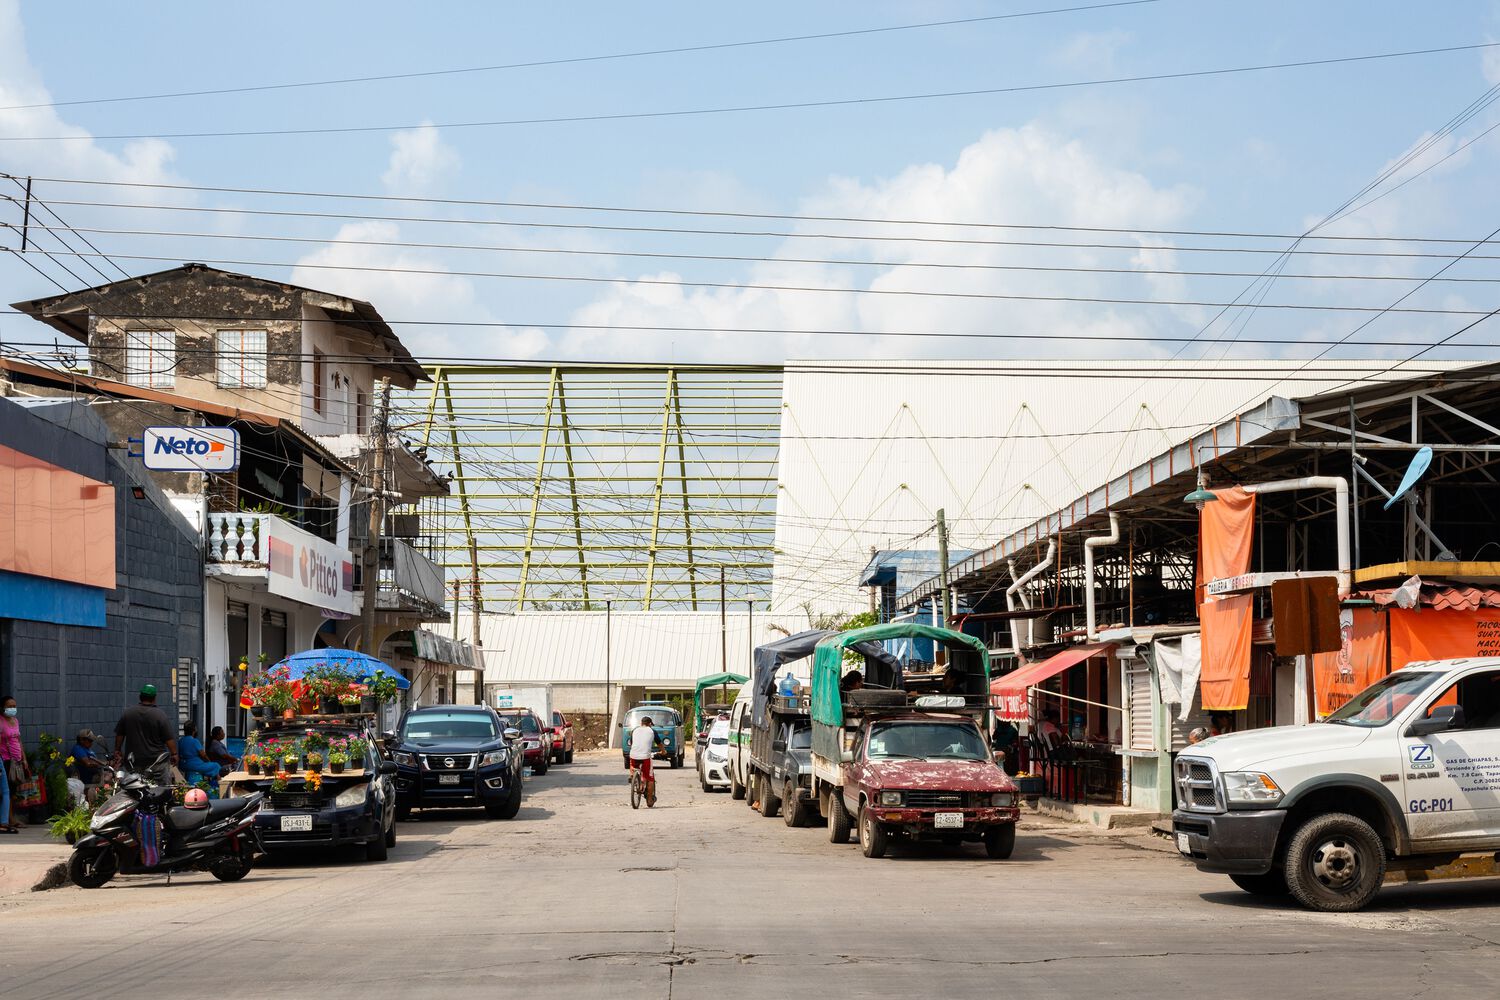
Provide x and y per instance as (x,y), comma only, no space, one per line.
(12,760)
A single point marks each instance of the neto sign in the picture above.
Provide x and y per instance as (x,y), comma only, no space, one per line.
(191,449)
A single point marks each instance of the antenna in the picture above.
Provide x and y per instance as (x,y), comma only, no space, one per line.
(1419,463)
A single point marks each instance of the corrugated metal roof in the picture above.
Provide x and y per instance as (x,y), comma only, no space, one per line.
(650,649)
(867,458)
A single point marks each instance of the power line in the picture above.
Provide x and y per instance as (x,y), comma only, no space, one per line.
(755,286)
(715,213)
(756,259)
(709,47)
(749,108)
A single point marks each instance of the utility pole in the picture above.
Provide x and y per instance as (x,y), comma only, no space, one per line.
(474,636)
(723,626)
(377,518)
(609,696)
(942,533)
(457,584)
(26,216)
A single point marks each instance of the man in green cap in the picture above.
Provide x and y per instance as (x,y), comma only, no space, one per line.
(143,733)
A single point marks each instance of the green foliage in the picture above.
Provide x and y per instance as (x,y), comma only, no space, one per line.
(75,821)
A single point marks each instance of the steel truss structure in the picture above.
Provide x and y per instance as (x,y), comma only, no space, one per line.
(646,486)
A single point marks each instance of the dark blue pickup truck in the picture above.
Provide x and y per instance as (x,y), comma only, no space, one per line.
(455,756)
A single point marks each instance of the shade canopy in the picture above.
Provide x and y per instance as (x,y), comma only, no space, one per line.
(799,647)
(967,653)
(361,666)
(712,680)
(1008,693)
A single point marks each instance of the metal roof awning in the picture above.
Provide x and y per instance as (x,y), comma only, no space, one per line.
(1008,694)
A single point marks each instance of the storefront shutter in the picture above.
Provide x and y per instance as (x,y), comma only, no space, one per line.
(1138,706)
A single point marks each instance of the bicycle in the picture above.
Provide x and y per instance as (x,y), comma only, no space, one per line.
(640,789)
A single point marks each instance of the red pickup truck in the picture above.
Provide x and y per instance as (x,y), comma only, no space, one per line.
(562,738)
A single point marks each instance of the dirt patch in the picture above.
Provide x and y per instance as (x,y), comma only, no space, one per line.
(590,730)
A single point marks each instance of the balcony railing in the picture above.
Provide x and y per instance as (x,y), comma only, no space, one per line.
(237,538)
(410,573)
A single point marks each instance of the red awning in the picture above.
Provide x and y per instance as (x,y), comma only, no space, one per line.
(1008,693)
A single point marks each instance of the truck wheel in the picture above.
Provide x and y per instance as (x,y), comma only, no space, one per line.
(376,850)
(704,782)
(873,837)
(568,757)
(838,819)
(677,761)
(1271,885)
(1000,841)
(508,808)
(736,790)
(1335,863)
(403,814)
(793,809)
(540,767)
(770,804)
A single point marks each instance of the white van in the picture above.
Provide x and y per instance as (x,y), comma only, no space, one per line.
(740,716)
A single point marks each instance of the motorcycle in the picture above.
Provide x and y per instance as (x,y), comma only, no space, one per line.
(140,830)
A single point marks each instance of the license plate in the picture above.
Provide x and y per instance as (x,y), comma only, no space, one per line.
(296,824)
(448,779)
(1182,844)
(948,821)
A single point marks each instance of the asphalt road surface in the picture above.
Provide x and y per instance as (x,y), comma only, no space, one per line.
(582,897)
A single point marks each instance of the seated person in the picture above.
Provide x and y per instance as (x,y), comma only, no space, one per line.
(219,753)
(1053,733)
(87,767)
(852,681)
(190,760)
(953,682)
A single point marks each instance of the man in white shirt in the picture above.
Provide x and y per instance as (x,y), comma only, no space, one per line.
(642,748)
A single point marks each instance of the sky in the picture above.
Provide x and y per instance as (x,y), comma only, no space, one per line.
(1270,152)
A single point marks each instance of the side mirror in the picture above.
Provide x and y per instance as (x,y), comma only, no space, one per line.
(846,757)
(387,767)
(1443,717)
(512,733)
(778,746)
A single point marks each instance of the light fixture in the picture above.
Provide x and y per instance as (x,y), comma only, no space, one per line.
(138,492)
(1202,494)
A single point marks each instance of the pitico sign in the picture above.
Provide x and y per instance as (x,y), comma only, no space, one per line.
(191,449)
(306,568)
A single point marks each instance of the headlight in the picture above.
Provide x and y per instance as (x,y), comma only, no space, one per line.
(1002,799)
(354,795)
(1250,787)
(493,757)
(890,798)
(402,757)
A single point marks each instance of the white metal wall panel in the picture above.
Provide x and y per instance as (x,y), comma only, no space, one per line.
(867,458)
(1140,731)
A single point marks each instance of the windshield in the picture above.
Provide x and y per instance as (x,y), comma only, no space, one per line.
(801,739)
(660,716)
(448,725)
(1382,701)
(925,741)
(525,723)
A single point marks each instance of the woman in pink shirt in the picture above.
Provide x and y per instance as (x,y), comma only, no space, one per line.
(10,754)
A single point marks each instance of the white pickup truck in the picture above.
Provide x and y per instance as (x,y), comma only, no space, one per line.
(1402,781)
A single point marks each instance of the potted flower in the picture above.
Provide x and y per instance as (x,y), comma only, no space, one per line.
(252,763)
(312,780)
(336,761)
(314,739)
(314,761)
(289,762)
(355,748)
(383,688)
(279,784)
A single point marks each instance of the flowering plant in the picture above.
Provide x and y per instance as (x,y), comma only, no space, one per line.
(314,739)
(289,761)
(338,758)
(384,688)
(313,780)
(279,784)
(276,690)
(355,747)
(314,758)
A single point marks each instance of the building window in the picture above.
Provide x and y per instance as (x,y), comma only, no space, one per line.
(241,358)
(150,357)
(317,381)
(361,412)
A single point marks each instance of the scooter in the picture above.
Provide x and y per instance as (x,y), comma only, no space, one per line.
(218,836)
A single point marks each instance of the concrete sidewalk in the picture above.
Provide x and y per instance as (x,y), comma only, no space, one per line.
(27,859)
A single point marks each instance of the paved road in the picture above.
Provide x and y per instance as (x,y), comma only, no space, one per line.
(581,897)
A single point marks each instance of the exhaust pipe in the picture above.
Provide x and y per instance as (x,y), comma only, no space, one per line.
(1089,545)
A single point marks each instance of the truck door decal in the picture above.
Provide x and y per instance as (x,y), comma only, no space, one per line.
(1421,756)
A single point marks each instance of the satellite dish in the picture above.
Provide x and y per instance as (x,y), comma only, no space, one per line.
(1419,463)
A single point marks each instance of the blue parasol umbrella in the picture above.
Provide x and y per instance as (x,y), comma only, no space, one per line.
(362,666)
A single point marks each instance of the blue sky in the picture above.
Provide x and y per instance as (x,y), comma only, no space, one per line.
(1266,152)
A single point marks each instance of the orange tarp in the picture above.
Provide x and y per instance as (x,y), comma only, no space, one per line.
(1359,662)
(1435,635)
(1225,531)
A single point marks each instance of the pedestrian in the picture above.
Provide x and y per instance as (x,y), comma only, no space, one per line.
(218,752)
(143,734)
(194,765)
(1220,723)
(12,761)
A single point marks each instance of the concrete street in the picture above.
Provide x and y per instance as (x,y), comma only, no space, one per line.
(581,897)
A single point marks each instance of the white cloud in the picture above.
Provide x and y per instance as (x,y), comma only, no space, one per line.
(1092,51)
(419,158)
(1025,175)
(21,89)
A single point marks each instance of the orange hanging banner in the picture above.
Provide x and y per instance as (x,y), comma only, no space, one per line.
(1359,662)
(1434,634)
(1225,531)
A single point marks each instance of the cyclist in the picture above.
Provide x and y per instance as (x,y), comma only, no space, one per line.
(643,744)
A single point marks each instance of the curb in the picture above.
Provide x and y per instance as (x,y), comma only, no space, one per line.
(53,878)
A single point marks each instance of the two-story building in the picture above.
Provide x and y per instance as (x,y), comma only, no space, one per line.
(296,373)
